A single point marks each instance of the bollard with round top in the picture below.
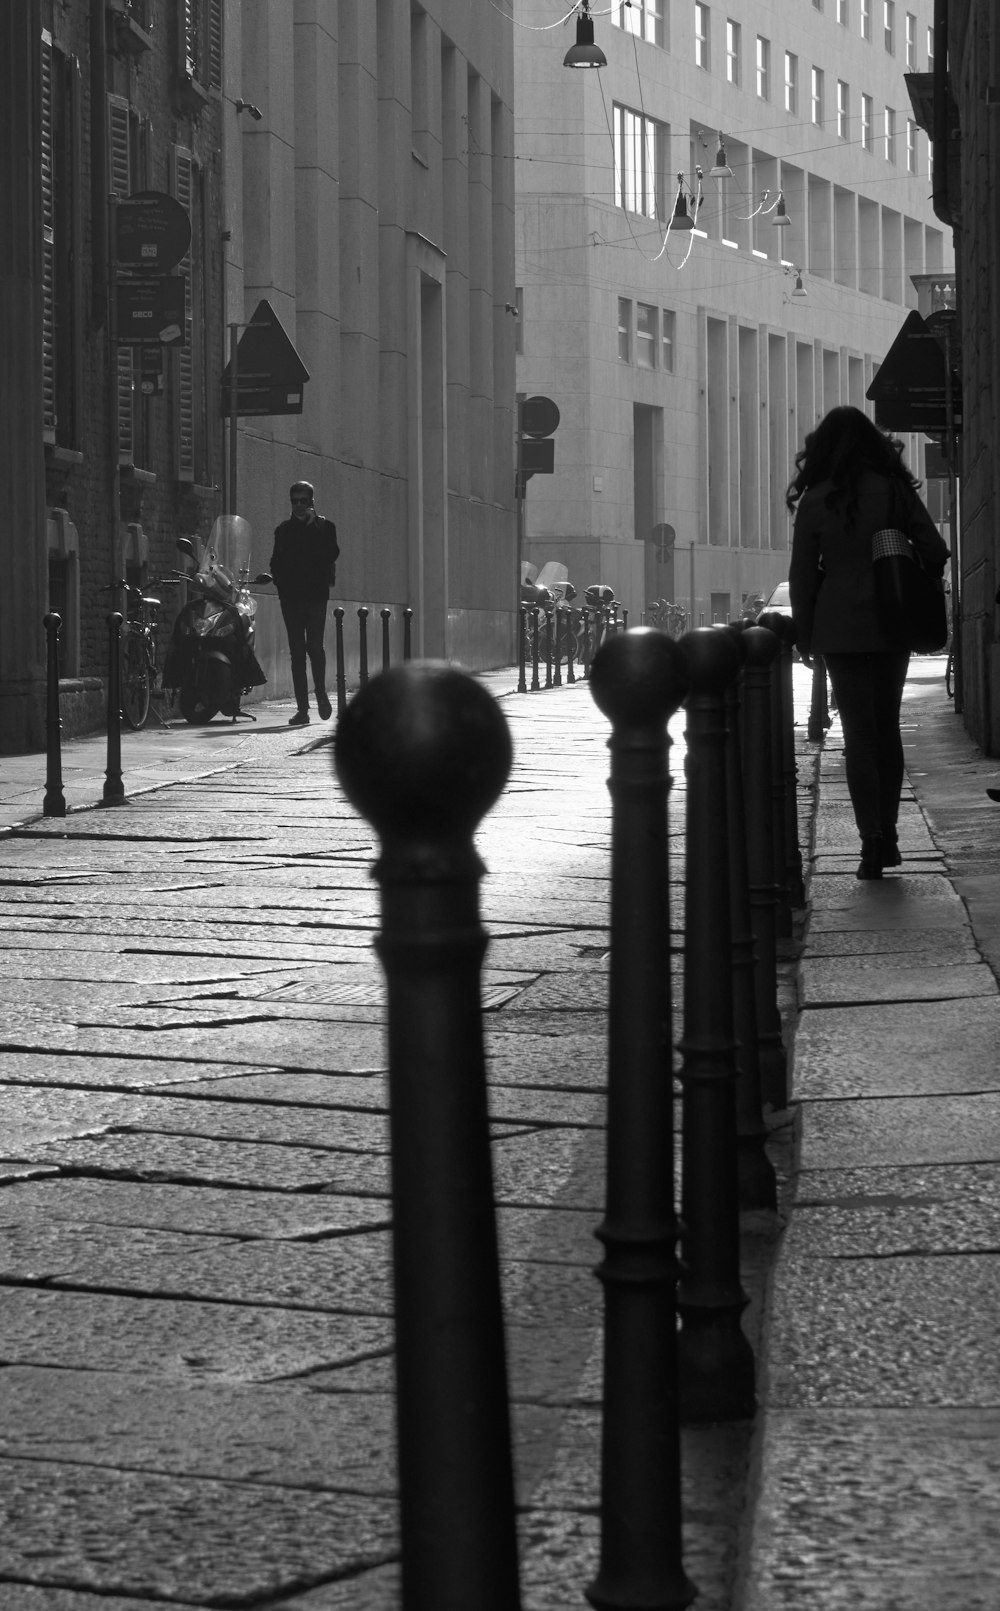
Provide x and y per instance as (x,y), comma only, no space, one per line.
(423,752)
(363,645)
(757,1182)
(791,872)
(113,793)
(522,639)
(407,628)
(54,801)
(762,647)
(638,681)
(338,616)
(386,615)
(716,1360)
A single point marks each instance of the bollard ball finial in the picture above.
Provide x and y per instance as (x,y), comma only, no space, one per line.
(639,677)
(780,624)
(715,657)
(423,752)
(762,645)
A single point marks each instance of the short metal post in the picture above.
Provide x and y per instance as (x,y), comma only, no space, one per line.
(386,618)
(570,646)
(338,616)
(54,802)
(558,627)
(638,681)
(407,624)
(522,652)
(624,620)
(793,878)
(423,752)
(775,622)
(762,648)
(535,646)
(114,788)
(757,1183)
(716,1360)
(819,709)
(363,645)
(549,627)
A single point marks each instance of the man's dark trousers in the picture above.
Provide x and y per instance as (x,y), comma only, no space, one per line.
(305,623)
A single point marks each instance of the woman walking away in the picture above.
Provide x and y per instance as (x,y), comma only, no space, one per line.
(850,482)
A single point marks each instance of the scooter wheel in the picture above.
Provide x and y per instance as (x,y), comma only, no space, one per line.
(194,709)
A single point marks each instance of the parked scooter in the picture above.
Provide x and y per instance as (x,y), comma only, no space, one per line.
(211,661)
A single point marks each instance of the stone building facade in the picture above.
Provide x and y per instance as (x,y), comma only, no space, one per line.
(688,365)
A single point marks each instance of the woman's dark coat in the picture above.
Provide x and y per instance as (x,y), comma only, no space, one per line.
(831,580)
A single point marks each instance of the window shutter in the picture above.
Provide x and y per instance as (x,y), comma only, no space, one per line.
(213,65)
(48,251)
(182,186)
(187,24)
(119,175)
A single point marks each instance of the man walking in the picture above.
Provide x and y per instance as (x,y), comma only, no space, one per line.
(303,567)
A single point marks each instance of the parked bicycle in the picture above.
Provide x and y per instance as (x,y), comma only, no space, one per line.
(670,618)
(139,668)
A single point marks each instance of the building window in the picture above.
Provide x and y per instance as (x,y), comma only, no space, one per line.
(791,82)
(667,332)
(625,329)
(889,18)
(866,19)
(643,18)
(645,336)
(702,36)
(199,30)
(867,122)
(640,163)
(816,96)
(128,170)
(763,68)
(843,110)
(930,49)
(842,16)
(889,128)
(911,42)
(62,330)
(911,146)
(734,35)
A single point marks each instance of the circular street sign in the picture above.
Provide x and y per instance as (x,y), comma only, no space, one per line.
(539,416)
(152,231)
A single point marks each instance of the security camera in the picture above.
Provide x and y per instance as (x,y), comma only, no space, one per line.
(248,106)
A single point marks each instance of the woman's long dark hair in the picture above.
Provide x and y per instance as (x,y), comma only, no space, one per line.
(843,446)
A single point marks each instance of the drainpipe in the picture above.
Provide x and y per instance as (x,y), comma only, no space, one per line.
(98,164)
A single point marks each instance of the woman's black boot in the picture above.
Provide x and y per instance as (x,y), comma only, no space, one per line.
(890,848)
(871,856)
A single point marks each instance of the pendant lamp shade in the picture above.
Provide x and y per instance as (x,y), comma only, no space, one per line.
(585,53)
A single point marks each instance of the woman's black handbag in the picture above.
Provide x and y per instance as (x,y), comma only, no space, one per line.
(910,603)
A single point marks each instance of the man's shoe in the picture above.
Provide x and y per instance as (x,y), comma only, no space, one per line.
(300,719)
(324,707)
(994,794)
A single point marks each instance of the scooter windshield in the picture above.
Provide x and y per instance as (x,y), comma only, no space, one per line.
(229,544)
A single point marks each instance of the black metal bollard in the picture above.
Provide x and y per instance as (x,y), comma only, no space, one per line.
(386,618)
(54,802)
(114,788)
(570,646)
(774,621)
(793,879)
(624,620)
(762,648)
(522,649)
(363,645)
(423,752)
(549,628)
(535,647)
(407,622)
(338,616)
(819,708)
(716,1360)
(757,1183)
(638,682)
(558,630)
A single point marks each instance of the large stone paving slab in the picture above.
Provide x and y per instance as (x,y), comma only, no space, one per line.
(897,1049)
(902,1130)
(202,1160)
(843,981)
(193,1341)
(875,1510)
(201,1210)
(885,1331)
(180,1539)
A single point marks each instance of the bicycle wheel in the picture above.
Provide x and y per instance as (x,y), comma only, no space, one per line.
(949,674)
(135,681)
